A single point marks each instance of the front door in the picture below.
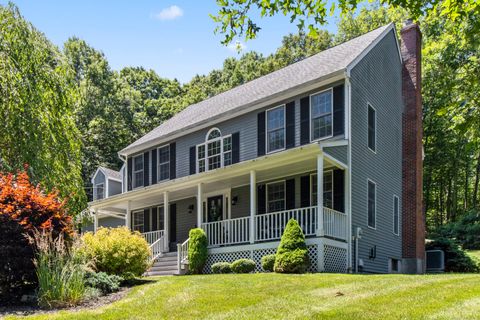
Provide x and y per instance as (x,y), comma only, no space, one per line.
(215,208)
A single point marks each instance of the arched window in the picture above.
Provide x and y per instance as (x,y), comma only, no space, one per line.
(215,152)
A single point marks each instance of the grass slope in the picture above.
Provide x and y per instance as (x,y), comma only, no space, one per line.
(309,296)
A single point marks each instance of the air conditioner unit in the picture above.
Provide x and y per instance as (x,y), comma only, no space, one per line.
(435,261)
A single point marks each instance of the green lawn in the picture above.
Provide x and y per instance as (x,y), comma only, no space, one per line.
(276,296)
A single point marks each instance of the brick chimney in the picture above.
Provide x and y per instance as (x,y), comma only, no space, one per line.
(413,220)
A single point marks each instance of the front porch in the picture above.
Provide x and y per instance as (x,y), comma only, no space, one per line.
(244,206)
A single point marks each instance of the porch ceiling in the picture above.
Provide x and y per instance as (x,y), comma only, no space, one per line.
(270,167)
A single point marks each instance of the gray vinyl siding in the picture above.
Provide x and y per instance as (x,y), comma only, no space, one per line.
(377,80)
(114,187)
(99,178)
(107,222)
(340,153)
(246,125)
(185,220)
(242,207)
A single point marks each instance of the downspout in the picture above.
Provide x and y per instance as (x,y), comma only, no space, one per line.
(124,160)
(348,131)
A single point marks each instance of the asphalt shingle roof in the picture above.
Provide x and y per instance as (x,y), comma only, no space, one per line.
(309,69)
(112,173)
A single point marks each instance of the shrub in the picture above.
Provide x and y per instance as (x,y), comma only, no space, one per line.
(243,266)
(60,272)
(292,254)
(197,251)
(23,209)
(104,282)
(117,251)
(268,262)
(466,231)
(221,267)
(456,260)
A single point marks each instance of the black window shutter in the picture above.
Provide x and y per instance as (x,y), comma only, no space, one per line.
(290,125)
(154,219)
(305,191)
(261,134)
(173,222)
(290,194)
(339,110)
(339,190)
(261,200)
(173,160)
(193,167)
(305,120)
(146,220)
(236,147)
(129,174)
(146,171)
(154,166)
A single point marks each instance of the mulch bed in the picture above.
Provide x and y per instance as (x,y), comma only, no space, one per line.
(25,310)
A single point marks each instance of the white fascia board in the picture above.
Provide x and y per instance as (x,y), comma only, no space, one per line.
(240,110)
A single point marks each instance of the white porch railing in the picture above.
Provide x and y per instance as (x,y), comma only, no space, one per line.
(232,231)
(156,241)
(335,224)
(182,254)
(270,226)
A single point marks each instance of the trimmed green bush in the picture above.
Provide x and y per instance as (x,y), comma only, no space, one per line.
(292,254)
(117,251)
(197,251)
(243,266)
(268,262)
(106,283)
(221,267)
(456,260)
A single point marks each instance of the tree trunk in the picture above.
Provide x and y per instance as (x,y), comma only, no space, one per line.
(475,188)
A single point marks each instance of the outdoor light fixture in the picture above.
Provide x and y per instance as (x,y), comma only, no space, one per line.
(190,208)
(234,200)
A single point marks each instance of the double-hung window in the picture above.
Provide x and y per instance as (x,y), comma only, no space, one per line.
(276,196)
(164,163)
(100,191)
(138,221)
(138,171)
(321,116)
(396,215)
(372,204)
(215,153)
(276,129)
(372,128)
(327,189)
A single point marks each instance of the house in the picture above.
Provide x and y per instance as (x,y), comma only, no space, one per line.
(341,128)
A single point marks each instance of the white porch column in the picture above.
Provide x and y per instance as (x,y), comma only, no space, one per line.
(166,221)
(95,221)
(320,230)
(128,217)
(253,204)
(199,204)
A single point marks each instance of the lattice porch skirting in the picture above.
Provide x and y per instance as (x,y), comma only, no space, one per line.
(334,257)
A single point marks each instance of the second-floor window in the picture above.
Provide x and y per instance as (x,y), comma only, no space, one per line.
(138,171)
(215,153)
(164,163)
(372,128)
(276,129)
(327,189)
(321,116)
(100,191)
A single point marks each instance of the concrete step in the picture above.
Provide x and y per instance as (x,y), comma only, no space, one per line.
(164,263)
(161,273)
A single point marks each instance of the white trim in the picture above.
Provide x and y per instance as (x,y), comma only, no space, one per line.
(372,45)
(210,131)
(105,174)
(375,216)
(284,194)
(348,172)
(96,190)
(310,114)
(284,129)
(158,163)
(398,215)
(241,110)
(221,154)
(137,171)
(335,161)
(369,105)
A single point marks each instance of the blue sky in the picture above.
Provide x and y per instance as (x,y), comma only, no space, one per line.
(175,38)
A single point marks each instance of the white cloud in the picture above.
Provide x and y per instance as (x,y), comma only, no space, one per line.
(237,46)
(170,13)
